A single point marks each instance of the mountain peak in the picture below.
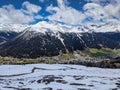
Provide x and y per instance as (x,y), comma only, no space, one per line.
(54,27)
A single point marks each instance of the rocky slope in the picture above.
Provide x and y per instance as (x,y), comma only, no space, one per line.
(32,44)
(9,31)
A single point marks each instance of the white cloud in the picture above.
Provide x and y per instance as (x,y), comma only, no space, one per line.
(62,4)
(105,13)
(31,8)
(95,11)
(65,14)
(112,10)
(8,14)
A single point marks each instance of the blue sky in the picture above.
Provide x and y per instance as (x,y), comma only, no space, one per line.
(44,4)
(66,11)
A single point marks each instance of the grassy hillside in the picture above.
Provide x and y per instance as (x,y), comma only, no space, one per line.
(104,58)
(104,52)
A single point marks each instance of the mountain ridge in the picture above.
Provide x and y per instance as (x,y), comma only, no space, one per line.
(49,39)
(32,44)
(54,26)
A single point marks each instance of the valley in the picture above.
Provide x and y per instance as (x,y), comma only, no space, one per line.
(59,44)
(103,58)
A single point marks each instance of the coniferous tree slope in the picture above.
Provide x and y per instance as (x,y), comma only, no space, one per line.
(6,36)
(31,44)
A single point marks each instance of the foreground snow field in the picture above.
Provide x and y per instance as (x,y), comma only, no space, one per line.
(58,77)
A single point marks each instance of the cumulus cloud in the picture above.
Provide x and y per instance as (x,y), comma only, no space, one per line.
(112,11)
(65,14)
(95,11)
(31,8)
(111,8)
(105,13)
(8,13)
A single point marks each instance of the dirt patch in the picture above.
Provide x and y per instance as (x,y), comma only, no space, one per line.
(61,81)
(47,88)
(82,89)
(18,88)
(118,84)
(77,84)
(49,78)
(78,77)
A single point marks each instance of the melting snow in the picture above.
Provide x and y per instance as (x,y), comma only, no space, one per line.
(56,76)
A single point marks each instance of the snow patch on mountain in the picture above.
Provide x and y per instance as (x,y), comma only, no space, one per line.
(62,40)
(108,27)
(55,27)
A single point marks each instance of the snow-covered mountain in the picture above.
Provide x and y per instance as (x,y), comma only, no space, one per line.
(9,31)
(49,38)
(58,27)
(54,26)
(12,27)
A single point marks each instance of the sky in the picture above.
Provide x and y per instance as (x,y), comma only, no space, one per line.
(72,12)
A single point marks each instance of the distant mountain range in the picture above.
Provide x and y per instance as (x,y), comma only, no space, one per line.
(51,38)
